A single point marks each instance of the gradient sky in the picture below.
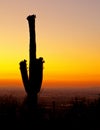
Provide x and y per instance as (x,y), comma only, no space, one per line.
(67,36)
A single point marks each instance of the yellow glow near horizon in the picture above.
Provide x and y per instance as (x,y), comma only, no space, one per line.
(67,38)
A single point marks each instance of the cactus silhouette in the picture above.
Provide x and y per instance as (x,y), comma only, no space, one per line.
(32,81)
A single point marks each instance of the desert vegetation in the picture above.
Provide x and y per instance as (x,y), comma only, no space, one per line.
(80,115)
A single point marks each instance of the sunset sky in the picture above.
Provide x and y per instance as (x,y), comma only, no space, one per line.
(67,37)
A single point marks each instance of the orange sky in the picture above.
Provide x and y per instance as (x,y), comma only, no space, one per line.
(67,36)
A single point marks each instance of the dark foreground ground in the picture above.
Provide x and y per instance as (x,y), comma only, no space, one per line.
(80,115)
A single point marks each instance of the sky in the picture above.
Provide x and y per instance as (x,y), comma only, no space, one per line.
(67,37)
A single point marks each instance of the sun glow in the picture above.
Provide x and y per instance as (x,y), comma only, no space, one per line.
(69,43)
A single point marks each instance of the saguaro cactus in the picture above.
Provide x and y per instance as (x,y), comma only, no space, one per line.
(32,81)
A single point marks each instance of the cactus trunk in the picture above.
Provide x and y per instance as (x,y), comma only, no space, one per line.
(32,84)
